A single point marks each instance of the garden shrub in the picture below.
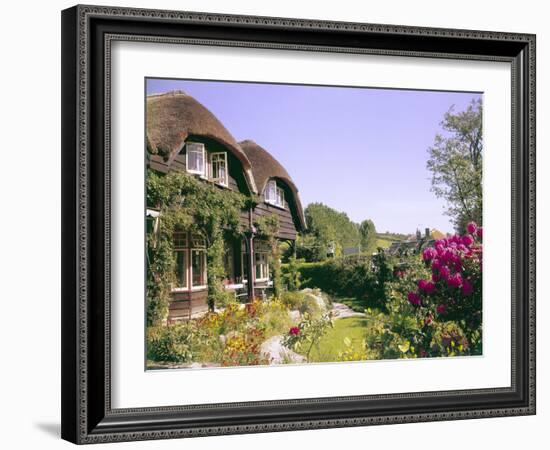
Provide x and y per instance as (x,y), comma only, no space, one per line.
(307,334)
(360,277)
(291,274)
(311,301)
(434,303)
(292,299)
(274,317)
(172,343)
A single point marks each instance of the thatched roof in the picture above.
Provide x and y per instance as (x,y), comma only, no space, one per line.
(173,116)
(264,167)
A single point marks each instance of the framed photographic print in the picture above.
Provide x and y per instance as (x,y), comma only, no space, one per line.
(282,224)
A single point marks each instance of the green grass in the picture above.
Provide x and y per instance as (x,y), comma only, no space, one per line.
(332,342)
(358,305)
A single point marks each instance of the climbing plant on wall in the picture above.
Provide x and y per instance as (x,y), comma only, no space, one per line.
(268,229)
(186,203)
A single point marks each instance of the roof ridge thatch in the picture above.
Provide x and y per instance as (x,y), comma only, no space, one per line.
(175,115)
(168,93)
(264,167)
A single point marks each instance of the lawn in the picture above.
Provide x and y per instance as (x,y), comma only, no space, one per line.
(332,343)
(358,305)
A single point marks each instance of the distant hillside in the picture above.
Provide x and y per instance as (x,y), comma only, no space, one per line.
(384,240)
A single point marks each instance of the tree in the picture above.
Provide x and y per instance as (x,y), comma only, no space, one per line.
(367,232)
(327,229)
(455,161)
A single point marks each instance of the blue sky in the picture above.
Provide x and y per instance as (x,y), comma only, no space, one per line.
(362,151)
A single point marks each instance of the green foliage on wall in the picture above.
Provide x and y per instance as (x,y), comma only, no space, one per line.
(268,229)
(189,204)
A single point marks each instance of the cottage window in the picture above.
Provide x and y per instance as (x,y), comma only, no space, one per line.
(195,158)
(198,240)
(198,268)
(181,250)
(181,269)
(262,266)
(218,163)
(190,259)
(228,263)
(244,266)
(274,194)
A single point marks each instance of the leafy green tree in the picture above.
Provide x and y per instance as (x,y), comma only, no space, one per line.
(328,230)
(455,161)
(367,232)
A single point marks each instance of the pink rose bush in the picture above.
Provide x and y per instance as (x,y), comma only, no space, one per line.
(432,303)
(452,291)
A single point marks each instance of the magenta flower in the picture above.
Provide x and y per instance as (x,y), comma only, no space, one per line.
(467,287)
(436,264)
(455,280)
(429,253)
(445,273)
(435,277)
(414,299)
(294,331)
(467,240)
(471,227)
(426,286)
(441,308)
(479,232)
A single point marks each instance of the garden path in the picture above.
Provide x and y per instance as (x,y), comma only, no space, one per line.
(274,350)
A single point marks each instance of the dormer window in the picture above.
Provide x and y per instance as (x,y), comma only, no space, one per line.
(196,158)
(274,194)
(218,164)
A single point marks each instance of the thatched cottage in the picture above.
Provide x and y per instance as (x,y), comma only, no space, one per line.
(184,135)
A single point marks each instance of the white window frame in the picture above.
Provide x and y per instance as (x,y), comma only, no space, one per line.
(279,193)
(190,242)
(185,253)
(225,181)
(281,196)
(204,161)
(265,257)
(202,286)
(181,245)
(244,273)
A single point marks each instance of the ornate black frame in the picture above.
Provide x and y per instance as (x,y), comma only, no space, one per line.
(87,31)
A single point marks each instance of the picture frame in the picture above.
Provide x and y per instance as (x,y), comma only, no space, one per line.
(88,33)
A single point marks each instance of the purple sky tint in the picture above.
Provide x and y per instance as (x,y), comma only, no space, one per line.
(361,151)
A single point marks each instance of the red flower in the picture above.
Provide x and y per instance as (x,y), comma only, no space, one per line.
(467,240)
(426,286)
(471,227)
(428,319)
(444,272)
(467,287)
(455,280)
(414,299)
(294,331)
(429,253)
(479,232)
(441,309)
